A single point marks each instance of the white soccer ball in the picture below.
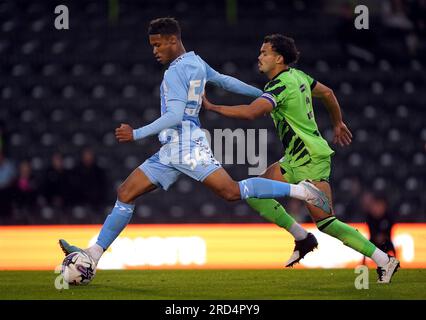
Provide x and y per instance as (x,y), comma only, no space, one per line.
(78,268)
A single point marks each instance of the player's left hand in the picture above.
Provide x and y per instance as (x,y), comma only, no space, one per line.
(342,135)
(124,133)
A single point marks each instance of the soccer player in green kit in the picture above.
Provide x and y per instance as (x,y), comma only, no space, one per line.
(287,98)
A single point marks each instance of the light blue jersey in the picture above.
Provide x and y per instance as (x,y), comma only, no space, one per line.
(181,91)
(185,146)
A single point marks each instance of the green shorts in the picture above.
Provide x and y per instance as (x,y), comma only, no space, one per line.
(316,170)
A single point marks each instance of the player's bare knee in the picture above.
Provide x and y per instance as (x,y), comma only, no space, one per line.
(124,194)
(230,193)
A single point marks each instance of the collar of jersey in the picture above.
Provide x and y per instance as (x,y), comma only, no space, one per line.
(278,74)
(186,54)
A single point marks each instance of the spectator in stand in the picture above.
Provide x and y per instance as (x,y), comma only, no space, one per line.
(7,178)
(25,193)
(57,184)
(89,182)
(380,222)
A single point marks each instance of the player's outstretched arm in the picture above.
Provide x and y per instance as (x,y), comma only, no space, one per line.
(231,84)
(256,109)
(172,117)
(342,134)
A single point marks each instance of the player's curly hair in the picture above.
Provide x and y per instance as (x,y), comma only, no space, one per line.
(284,46)
(164,26)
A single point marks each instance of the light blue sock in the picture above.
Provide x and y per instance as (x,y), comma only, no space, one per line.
(116,221)
(263,188)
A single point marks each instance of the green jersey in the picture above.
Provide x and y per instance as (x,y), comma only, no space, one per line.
(293,115)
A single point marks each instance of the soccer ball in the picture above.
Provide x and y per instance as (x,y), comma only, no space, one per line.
(78,268)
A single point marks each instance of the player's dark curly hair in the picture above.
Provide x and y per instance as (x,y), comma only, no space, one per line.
(284,46)
(164,26)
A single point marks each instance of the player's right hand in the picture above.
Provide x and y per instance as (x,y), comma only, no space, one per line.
(124,133)
(207,104)
(342,135)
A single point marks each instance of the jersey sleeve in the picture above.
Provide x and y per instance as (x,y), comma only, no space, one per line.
(274,92)
(312,82)
(172,117)
(176,96)
(230,83)
(270,98)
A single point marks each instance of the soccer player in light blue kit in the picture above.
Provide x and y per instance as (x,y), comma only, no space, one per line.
(185,148)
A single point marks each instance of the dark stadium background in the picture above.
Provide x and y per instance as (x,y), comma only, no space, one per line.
(67,90)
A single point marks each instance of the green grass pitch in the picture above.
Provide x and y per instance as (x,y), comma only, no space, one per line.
(283,284)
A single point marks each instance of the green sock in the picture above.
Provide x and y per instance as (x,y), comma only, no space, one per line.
(348,235)
(272,211)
